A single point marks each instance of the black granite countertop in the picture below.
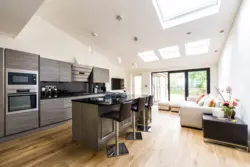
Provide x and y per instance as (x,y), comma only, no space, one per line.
(71,95)
(108,100)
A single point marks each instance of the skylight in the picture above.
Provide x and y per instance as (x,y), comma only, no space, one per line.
(170,52)
(198,47)
(148,56)
(175,12)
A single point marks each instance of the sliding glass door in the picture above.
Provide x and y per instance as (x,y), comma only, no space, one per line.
(177,86)
(160,86)
(197,83)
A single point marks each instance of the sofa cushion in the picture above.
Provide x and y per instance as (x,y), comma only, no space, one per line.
(202,100)
(199,98)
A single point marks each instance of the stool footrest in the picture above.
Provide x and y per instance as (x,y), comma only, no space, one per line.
(144,129)
(112,151)
(131,136)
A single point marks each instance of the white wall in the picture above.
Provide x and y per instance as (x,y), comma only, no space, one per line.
(42,38)
(234,65)
(146,78)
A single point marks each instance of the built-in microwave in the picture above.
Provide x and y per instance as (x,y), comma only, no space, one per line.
(21,77)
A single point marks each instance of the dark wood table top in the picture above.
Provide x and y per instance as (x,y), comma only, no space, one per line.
(238,121)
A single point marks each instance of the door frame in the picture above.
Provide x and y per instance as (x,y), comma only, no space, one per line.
(186,79)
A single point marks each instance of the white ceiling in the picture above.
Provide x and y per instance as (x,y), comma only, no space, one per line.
(79,18)
(15,14)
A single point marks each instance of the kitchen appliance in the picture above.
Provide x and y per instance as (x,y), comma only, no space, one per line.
(21,91)
(49,91)
(54,92)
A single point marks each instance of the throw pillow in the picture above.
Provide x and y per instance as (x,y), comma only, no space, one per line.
(209,102)
(199,98)
(202,100)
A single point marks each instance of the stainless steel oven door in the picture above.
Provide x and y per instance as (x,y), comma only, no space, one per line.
(21,102)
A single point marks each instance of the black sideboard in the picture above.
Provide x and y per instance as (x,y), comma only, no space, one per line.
(225,131)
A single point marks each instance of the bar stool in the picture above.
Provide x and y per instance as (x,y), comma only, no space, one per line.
(139,107)
(148,105)
(118,149)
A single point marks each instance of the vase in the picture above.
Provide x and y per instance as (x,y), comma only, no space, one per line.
(228,113)
(233,114)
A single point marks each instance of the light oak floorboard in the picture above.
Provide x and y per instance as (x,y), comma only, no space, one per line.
(168,145)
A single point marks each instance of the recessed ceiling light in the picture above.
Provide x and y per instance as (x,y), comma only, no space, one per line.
(216,51)
(119,18)
(198,47)
(148,56)
(94,34)
(188,33)
(170,52)
(135,39)
(221,31)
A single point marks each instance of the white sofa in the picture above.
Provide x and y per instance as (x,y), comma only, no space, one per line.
(191,113)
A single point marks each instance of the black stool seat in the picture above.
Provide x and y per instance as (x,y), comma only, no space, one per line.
(114,115)
(148,105)
(120,115)
(139,107)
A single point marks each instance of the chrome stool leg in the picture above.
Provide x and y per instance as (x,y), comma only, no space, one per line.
(116,149)
(133,135)
(145,127)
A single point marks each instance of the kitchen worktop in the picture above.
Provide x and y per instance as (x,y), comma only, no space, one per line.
(71,95)
(109,100)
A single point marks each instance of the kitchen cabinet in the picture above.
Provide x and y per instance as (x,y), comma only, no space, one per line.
(21,60)
(57,110)
(53,70)
(49,70)
(65,72)
(1,93)
(100,75)
(19,122)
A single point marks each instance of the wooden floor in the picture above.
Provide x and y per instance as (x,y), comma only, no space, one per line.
(168,145)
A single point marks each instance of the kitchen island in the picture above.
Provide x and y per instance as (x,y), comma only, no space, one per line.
(89,129)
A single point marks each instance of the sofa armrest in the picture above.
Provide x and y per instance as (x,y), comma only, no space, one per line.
(192,98)
(192,115)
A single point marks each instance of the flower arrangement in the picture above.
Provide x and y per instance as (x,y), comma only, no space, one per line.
(228,107)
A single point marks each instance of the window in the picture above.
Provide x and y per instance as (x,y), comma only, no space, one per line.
(170,52)
(148,56)
(174,12)
(198,47)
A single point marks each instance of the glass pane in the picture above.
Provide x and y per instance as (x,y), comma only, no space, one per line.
(19,103)
(160,86)
(177,86)
(197,83)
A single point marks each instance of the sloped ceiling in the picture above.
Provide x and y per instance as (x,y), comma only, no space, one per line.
(80,18)
(15,14)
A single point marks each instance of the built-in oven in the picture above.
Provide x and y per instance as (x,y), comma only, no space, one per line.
(21,91)
(22,100)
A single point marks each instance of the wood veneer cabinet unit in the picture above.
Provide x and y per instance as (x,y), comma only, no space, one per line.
(49,70)
(65,73)
(21,60)
(1,93)
(100,75)
(19,122)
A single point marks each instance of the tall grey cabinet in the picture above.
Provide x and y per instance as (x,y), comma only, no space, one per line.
(18,122)
(1,93)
